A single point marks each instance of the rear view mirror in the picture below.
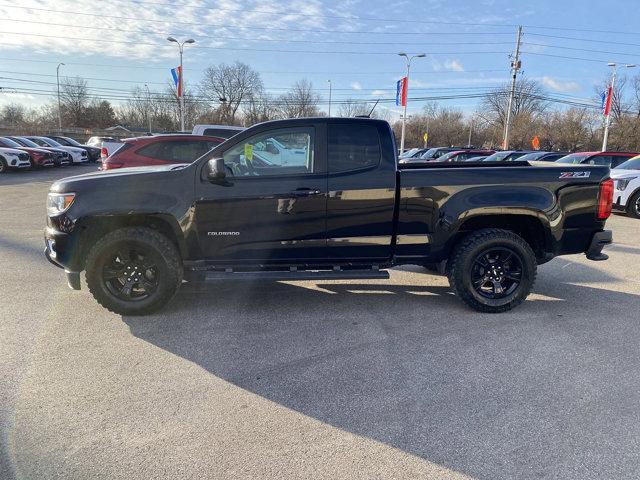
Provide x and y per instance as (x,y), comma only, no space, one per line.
(216,172)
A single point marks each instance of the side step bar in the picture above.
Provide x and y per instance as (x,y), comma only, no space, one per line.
(294,275)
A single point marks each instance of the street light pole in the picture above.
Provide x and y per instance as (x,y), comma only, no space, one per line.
(404,115)
(605,138)
(329,97)
(181,78)
(148,106)
(59,108)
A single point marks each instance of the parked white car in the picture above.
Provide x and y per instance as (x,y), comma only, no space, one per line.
(626,178)
(13,158)
(78,155)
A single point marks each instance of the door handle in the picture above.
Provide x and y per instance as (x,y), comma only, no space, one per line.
(305,192)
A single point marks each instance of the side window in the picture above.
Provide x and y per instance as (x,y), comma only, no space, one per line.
(600,160)
(617,160)
(352,147)
(153,150)
(179,151)
(285,151)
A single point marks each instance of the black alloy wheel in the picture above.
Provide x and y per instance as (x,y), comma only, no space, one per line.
(131,274)
(496,272)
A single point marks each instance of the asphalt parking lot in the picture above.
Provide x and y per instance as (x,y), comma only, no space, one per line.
(344,379)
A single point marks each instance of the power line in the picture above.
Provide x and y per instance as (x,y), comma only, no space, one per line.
(590,40)
(580,49)
(272,50)
(309,72)
(343,17)
(387,20)
(155,32)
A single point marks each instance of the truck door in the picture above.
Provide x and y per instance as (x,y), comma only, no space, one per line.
(361,190)
(272,204)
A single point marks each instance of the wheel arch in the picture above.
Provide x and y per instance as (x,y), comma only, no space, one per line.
(534,230)
(95,227)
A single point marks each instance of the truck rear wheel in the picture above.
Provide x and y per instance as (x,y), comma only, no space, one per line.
(133,271)
(633,207)
(492,270)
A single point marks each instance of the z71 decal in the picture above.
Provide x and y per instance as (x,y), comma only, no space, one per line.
(575,174)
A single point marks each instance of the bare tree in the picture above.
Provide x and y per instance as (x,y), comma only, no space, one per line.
(228,86)
(301,101)
(13,114)
(74,99)
(528,101)
(352,108)
(259,108)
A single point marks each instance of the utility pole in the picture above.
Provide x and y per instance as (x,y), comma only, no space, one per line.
(59,108)
(404,115)
(470,130)
(515,66)
(148,106)
(181,78)
(609,101)
(329,97)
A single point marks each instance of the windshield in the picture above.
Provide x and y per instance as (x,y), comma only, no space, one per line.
(447,156)
(11,143)
(430,153)
(631,164)
(572,158)
(70,142)
(497,157)
(25,142)
(408,153)
(47,142)
(532,156)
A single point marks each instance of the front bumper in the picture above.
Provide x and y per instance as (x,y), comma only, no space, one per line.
(598,242)
(18,163)
(73,278)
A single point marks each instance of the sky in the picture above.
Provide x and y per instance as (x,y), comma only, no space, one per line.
(119,44)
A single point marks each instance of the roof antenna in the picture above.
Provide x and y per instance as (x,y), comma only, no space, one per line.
(368,115)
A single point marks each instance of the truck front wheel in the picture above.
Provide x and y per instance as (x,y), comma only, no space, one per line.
(133,271)
(492,270)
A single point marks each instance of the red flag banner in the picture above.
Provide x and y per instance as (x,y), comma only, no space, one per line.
(607,102)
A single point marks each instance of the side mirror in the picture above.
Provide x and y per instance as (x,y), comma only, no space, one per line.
(216,171)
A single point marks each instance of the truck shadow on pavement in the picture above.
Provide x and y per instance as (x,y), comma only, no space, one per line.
(539,391)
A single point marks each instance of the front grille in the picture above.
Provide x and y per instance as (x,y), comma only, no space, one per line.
(23,156)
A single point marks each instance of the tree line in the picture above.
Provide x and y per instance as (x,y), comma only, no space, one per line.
(234,94)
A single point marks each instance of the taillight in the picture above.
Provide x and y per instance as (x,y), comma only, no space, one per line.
(605,199)
(104,153)
(111,165)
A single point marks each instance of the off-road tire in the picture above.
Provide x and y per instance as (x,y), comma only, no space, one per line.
(459,271)
(169,270)
(632,208)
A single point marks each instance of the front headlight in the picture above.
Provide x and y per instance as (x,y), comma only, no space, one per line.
(624,182)
(59,202)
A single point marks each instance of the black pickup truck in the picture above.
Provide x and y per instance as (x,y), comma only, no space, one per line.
(321,198)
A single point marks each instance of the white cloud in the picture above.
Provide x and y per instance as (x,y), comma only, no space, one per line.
(559,86)
(134,31)
(378,93)
(453,65)
(356,85)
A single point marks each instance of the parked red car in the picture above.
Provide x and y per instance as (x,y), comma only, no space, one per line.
(39,156)
(612,159)
(160,150)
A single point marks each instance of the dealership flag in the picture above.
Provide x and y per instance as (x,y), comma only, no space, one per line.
(606,101)
(176,73)
(401,92)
